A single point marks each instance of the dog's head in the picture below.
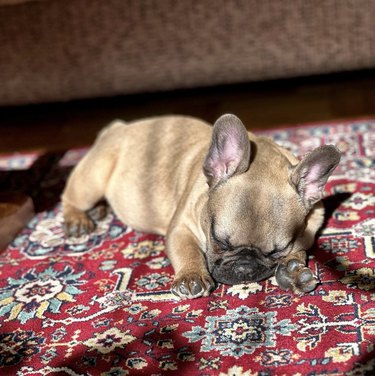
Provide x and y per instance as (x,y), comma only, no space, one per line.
(258,202)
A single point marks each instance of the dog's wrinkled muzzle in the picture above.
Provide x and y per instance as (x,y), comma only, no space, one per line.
(244,266)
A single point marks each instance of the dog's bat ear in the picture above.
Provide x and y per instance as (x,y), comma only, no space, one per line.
(311,174)
(229,152)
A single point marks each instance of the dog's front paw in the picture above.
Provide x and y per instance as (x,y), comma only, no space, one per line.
(78,224)
(295,276)
(192,285)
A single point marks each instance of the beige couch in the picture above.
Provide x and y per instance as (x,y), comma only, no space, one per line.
(58,50)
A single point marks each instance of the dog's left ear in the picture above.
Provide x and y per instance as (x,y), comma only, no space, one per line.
(311,174)
(229,152)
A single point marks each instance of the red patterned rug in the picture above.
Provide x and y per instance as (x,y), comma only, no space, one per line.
(101,305)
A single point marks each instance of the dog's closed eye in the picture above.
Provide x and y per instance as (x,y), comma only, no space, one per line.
(278,251)
(224,244)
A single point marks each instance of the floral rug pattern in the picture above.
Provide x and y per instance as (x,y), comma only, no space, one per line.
(101,304)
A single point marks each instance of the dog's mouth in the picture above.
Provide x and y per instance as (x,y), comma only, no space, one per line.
(243,266)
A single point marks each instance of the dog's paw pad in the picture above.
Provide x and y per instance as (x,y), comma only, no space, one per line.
(305,275)
(192,286)
(196,288)
(293,265)
(296,277)
(306,281)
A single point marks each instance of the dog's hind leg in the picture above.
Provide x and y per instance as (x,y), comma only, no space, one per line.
(87,183)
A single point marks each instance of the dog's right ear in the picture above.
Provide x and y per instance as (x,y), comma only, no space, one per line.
(229,152)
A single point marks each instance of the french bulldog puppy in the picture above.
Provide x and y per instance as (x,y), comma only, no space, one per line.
(234,207)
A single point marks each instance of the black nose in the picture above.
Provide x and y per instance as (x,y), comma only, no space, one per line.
(245,269)
(251,268)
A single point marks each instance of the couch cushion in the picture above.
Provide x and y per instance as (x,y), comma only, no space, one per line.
(61,50)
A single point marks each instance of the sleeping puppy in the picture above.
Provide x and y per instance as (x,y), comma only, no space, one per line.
(234,207)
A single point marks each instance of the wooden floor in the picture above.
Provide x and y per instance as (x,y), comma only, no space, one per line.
(260,105)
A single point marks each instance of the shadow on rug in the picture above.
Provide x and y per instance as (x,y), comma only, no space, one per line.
(101,305)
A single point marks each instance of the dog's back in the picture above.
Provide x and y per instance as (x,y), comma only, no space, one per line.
(152,167)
